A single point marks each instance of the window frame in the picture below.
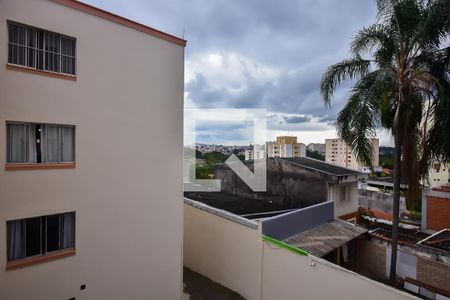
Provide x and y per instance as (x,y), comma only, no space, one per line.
(44,51)
(45,255)
(44,164)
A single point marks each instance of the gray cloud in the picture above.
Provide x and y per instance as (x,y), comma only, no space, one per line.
(295,40)
(297,119)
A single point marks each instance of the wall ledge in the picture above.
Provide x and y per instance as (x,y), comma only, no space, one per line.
(222,213)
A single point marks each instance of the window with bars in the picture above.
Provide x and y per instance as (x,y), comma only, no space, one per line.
(40,235)
(40,143)
(40,49)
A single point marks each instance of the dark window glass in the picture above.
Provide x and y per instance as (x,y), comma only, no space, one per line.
(53,233)
(40,235)
(33,236)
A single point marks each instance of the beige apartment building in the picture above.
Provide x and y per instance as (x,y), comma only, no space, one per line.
(252,154)
(88,207)
(339,153)
(286,146)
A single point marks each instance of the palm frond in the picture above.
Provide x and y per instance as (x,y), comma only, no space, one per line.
(357,121)
(347,69)
(436,23)
(385,8)
(368,38)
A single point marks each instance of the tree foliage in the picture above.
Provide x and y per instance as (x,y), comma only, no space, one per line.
(400,66)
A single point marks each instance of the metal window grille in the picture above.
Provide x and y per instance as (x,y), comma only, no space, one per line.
(41,49)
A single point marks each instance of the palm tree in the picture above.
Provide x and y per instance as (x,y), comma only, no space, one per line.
(400,68)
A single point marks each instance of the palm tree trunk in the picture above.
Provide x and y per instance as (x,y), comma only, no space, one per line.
(396,207)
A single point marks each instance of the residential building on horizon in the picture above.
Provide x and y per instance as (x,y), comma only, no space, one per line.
(339,153)
(285,147)
(251,154)
(317,147)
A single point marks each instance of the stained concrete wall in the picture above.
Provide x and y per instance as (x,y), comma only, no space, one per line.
(414,262)
(345,197)
(378,200)
(372,259)
(286,184)
(434,273)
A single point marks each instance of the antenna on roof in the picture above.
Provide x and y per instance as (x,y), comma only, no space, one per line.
(183,32)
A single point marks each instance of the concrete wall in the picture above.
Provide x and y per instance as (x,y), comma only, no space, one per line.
(372,259)
(434,273)
(223,250)
(420,263)
(286,184)
(377,200)
(232,254)
(283,226)
(287,275)
(345,197)
(128,200)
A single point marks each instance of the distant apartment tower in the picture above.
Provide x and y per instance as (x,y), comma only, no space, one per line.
(251,154)
(317,147)
(339,153)
(286,146)
(88,209)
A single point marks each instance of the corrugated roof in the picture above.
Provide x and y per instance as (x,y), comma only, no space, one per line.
(404,237)
(323,239)
(321,166)
(439,240)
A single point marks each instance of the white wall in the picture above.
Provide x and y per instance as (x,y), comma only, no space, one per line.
(288,275)
(234,255)
(224,251)
(347,205)
(126,191)
(406,264)
(438,176)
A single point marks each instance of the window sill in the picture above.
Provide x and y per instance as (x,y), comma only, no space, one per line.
(40,72)
(25,262)
(15,167)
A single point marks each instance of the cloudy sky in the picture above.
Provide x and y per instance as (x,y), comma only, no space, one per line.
(258,54)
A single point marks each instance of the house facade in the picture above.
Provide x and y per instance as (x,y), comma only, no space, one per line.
(300,182)
(88,208)
(438,174)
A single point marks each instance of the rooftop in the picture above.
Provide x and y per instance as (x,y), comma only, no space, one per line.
(386,181)
(408,234)
(321,166)
(121,20)
(323,239)
(439,240)
(405,237)
(241,206)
